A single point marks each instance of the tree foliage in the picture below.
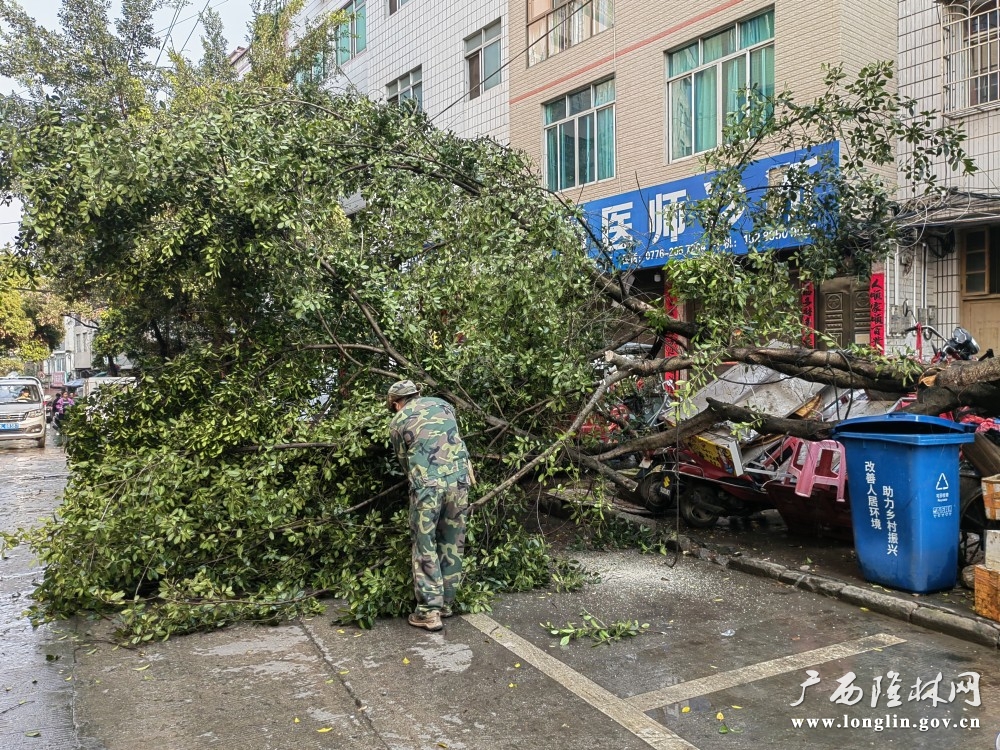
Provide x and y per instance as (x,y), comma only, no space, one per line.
(247,471)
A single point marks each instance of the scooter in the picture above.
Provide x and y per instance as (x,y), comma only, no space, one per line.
(701,492)
(960,346)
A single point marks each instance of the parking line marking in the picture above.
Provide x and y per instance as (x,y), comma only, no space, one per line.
(725,680)
(652,732)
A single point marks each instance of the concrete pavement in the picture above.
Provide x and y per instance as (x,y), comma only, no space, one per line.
(719,642)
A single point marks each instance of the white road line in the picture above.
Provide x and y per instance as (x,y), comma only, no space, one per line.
(725,680)
(653,733)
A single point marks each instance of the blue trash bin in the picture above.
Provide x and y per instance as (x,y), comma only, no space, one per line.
(902,478)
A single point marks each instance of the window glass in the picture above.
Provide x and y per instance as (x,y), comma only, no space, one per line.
(604,93)
(552,158)
(538,8)
(360,28)
(762,70)
(680,118)
(567,163)
(605,143)
(581,23)
(704,93)
(706,109)
(757,30)
(719,45)
(579,101)
(538,48)
(474,67)
(975,283)
(491,65)
(971,54)
(604,15)
(555,111)
(684,59)
(580,137)
(483,59)
(734,83)
(563,24)
(586,149)
(558,30)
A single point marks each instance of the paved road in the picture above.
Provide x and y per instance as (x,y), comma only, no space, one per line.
(719,642)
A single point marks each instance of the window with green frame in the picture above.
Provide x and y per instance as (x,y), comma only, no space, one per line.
(352,35)
(708,78)
(580,137)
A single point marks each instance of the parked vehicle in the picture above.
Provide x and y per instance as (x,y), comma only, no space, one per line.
(22,410)
(678,479)
(960,346)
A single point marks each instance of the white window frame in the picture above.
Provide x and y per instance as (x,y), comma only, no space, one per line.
(576,117)
(402,89)
(477,48)
(395,5)
(351,38)
(718,65)
(970,32)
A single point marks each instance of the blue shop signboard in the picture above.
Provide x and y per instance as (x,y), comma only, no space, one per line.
(643,232)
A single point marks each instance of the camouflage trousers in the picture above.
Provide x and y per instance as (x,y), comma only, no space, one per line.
(437,527)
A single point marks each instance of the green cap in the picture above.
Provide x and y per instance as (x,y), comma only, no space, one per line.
(403,388)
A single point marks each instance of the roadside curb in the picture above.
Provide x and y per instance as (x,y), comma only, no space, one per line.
(930,616)
(974,629)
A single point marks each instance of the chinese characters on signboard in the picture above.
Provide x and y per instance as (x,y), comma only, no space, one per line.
(645,228)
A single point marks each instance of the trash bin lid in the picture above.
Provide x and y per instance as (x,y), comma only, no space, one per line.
(905,423)
(903,427)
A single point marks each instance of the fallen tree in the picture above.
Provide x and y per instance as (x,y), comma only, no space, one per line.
(247,472)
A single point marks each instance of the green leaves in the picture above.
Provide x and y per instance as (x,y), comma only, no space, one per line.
(596,630)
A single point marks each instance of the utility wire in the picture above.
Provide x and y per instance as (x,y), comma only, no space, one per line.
(191,33)
(185,20)
(170,29)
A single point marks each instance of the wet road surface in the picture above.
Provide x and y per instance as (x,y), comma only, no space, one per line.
(719,642)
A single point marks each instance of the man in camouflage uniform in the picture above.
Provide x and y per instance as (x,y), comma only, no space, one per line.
(427,443)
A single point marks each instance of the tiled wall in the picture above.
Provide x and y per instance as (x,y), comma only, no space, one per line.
(921,77)
(430,34)
(806,35)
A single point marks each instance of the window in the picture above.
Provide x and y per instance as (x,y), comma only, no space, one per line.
(482,55)
(982,261)
(971,55)
(314,73)
(352,35)
(580,137)
(407,88)
(395,5)
(707,81)
(557,25)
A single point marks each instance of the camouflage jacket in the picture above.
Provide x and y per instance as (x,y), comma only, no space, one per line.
(425,438)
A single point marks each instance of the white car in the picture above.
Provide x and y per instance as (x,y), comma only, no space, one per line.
(22,410)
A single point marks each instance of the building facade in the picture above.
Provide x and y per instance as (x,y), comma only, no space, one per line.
(947,272)
(447,58)
(615,100)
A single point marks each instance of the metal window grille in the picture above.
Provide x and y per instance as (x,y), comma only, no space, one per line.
(971,55)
